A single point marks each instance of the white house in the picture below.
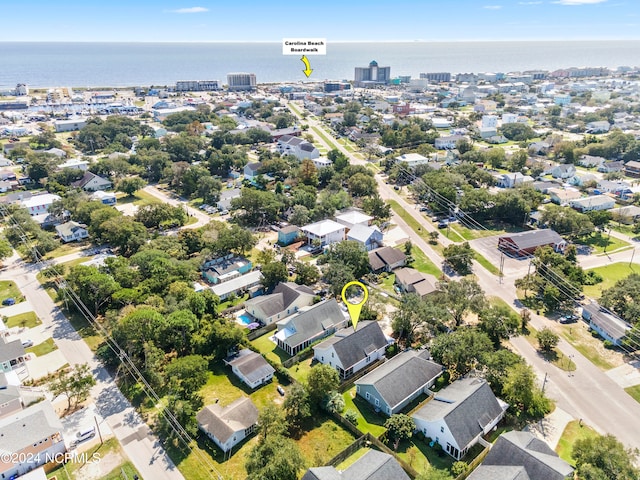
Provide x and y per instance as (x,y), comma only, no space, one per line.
(287,298)
(326,231)
(29,437)
(489,121)
(350,351)
(609,326)
(238,284)
(595,202)
(460,414)
(72,231)
(369,237)
(251,368)
(448,142)
(90,182)
(38,204)
(509,118)
(598,127)
(108,198)
(564,170)
(75,163)
(512,180)
(69,125)
(354,217)
(412,159)
(296,146)
(228,426)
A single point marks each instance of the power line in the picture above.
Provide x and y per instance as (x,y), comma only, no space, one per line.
(123,357)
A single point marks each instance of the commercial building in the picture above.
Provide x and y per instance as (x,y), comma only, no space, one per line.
(437,77)
(241,81)
(372,75)
(197,85)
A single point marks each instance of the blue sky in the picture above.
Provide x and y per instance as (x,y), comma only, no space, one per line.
(345,20)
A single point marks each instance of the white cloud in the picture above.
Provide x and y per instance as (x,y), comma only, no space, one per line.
(190,10)
(492,7)
(529,3)
(579,2)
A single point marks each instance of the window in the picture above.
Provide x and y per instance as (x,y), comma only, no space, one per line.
(442,429)
(377,402)
(367,396)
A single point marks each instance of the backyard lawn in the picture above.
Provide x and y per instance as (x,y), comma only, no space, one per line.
(25,320)
(368,420)
(323,440)
(599,242)
(269,349)
(610,275)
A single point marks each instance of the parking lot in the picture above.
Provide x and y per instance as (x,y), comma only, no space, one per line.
(488,248)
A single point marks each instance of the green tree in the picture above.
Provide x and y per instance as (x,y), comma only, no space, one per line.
(275,458)
(306,273)
(495,366)
(321,380)
(547,339)
(399,427)
(416,319)
(351,254)
(74,383)
(271,422)
(308,173)
(92,286)
(130,185)
(461,350)
(273,273)
(186,375)
(462,296)
(6,250)
(434,474)
(604,457)
(296,406)
(499,322)
(362,185)
(522,394)
(459,257)
(124,233)
(333,402)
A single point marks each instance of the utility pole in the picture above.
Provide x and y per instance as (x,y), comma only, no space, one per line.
(95,419)
(501,274)
(544,382)
(632,254)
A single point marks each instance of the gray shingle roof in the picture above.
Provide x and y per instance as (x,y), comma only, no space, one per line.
(398,378)
(222,422)
(523,449)
(26,427)
(283,295)
(373,465)
(11,350)
(352,347)
(495,472)
(467,406)
(252,365)
(307,324)
(385,256)
(534,238)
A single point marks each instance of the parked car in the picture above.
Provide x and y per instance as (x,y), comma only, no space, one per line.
(568,319)
(27,343)
(280,390)
(9,301)
(443,224)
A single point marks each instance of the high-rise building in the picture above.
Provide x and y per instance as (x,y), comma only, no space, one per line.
(372,75)
(241,81)
(437,77)
(197,86)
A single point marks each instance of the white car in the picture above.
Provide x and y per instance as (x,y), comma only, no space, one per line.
(27,343)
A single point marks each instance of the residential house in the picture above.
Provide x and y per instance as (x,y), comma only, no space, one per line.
(610,167)
(627,215)
(608,325)
(287,298)
(397,382)
(562,196)
(38,204)
(521,456)
(564,170)
(225,268)
(75,164)
(72,231)
(12,355)
(228,426)
(69,125)
(592,203)
(325,231)
(386,259)
(349,350)
(413,281)
(580,180)
(29,438)
(90,182)
(526,243)
(369,237)
(250,367)
(590,161)
(512,180)
(373,465)
(412,159)
(108,198)
(297,332)
(298,147)
(597,127)
(632,168)
(448,142)
(287,235)
(224,203)
(544,186)
(354,217)
(459,414)
(239,285)
(10,397)
(618,188)
(251,170)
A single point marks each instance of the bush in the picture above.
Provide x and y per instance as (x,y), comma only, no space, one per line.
(459,467)
(351,416)
(608,344)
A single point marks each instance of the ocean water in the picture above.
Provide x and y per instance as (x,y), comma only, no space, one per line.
(130,64)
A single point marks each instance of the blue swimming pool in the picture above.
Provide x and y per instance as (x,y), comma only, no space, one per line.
(244,318)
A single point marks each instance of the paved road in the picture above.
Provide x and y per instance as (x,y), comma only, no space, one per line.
(588,393)
(139,444)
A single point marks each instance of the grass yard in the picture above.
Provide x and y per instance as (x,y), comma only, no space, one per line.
(67,248)
(25,320)
(572,432)
(423,264)
(322,134)
(300,371)
(138,198)
(388,283)
(599,242)
(269,349)
(634,392)
(323,440)
(610,275)
(578,336)
(368,420)
(490,267)
(43,348)
(9,289)
(419,455)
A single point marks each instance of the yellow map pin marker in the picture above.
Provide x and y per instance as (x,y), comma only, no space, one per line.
(354,308)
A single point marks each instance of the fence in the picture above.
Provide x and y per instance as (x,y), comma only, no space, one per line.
(303,355)
(261,331)
(474,463)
